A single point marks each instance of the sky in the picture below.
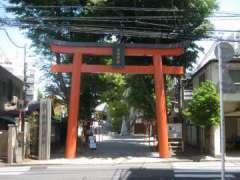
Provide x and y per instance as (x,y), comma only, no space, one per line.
(223,24)
(16,54)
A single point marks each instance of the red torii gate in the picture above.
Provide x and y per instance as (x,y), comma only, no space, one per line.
(77,68)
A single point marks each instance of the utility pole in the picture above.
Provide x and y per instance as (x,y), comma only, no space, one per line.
(224,52)
(222,140)
(24,84)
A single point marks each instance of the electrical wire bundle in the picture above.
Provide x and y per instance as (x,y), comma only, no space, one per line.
(137,22)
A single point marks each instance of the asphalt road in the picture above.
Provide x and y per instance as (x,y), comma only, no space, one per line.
(121,158)
(142,171)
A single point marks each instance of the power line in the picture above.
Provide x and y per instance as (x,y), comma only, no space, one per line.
(122,8)
(160,26)
(10,39)
(167,27)
(138,32)
(96,18)
(113,8)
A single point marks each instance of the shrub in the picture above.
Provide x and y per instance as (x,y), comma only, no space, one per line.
(204,109)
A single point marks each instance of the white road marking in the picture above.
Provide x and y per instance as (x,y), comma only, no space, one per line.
(194,170)
(9,171)
(204,170)
(202,176)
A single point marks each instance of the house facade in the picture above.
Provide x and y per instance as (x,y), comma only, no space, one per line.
(209,139)
(10,86)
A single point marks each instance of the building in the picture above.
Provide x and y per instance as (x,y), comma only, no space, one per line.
(209,139)
(18,72)
(10,86)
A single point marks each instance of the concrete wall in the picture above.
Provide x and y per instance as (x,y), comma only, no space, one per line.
(3,144)
(215,141)
(192,135)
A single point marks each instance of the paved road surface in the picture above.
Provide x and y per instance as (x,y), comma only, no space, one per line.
(121,158)
(204,170)
(151,171)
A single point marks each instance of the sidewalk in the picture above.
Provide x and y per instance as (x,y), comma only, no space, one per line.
(112,150)
(123,160)
(115,150)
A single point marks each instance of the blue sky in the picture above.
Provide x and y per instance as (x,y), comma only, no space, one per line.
(16,55)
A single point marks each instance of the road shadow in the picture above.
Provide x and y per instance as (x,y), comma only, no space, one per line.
(191,153)
(143,174)
(168,174)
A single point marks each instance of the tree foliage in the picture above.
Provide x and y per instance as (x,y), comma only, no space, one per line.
(40,28)
(114,97)
(204,109)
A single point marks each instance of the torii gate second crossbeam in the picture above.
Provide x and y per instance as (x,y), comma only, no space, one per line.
(78,67)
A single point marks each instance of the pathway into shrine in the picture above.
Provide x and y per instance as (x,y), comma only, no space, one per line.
(122,147)
(114,148)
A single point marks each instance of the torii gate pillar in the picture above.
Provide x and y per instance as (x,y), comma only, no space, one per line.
(71,142)
(161,112)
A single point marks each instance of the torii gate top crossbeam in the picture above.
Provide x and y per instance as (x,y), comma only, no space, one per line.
(106,49)
(87,48)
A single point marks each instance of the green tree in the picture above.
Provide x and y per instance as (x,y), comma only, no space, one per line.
(204,109)
(63,24)
(114,97)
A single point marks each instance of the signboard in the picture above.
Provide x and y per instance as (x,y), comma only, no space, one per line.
(226,51)
(175,130)
(118,55)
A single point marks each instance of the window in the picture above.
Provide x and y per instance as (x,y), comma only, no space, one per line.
(235,76)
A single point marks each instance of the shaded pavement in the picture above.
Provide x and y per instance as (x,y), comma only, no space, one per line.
(120,147)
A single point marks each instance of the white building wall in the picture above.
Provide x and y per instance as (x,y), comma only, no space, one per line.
(231,99)
(232,96)
(215,141)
